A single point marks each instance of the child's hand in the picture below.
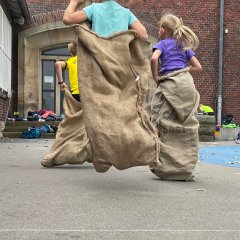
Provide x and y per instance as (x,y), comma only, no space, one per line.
(63,86)
(157,79)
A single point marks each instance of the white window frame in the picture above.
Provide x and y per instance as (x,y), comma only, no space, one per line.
(5,52)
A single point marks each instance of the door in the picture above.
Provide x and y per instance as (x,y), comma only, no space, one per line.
(52,97)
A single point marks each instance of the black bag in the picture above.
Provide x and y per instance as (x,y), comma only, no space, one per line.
(227,119)
(31,113)
(34,117)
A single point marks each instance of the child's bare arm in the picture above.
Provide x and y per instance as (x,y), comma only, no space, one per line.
(141,30)
(194,65)
(59,66)
(154,65)
(71,16)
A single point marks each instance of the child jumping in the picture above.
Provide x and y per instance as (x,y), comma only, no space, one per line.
(107,17)
(113,78)
(175,48)
(176,100)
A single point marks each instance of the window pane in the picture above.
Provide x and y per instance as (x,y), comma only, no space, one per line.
(48,75)
(5,51)
(48,85)
(5,38)
(48,101)
(1,26)
(1,68)
(9,75)
(9,42)
(63,51)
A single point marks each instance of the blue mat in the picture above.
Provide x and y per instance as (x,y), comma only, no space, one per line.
(223,155)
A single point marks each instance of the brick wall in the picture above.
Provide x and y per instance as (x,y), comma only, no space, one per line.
(2,108)
(231,63)
(203,17)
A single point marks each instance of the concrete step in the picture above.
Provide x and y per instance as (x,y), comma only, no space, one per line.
(19,135)
(206,138)
(206,119)
(14,129)
(207,129)
(18,128)
(31,123)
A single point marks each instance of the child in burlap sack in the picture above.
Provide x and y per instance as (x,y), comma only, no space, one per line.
(173,52)
(113,81)
(175,101)
(106,17)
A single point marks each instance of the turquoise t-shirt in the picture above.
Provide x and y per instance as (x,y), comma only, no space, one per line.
(109,17)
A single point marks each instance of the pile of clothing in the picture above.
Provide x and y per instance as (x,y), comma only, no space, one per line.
(45,115)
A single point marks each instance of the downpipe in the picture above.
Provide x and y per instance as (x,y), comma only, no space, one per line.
(220,65)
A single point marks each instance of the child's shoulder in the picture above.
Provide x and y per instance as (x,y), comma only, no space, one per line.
(113,4)
(162,42)
(168,40)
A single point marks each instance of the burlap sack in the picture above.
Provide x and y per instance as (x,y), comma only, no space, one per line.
(174,107)
(71,138)
(113,80)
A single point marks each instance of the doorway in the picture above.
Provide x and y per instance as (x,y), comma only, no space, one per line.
(51,96)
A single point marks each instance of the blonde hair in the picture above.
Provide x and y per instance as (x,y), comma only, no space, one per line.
(175,27)
(72,47)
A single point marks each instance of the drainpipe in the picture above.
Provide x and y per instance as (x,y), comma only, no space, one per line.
(24,8)
(220,65)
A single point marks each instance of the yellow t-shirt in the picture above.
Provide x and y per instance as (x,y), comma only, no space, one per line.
(71,66)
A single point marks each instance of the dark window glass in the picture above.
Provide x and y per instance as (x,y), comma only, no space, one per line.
(48,85)
(48,75)
(63,51)
(48,102)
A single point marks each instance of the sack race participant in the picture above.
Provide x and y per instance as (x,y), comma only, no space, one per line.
(71,138)
(175,102)
(113,83)
(178,126)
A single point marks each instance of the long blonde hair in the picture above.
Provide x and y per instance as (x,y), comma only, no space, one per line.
(175,27)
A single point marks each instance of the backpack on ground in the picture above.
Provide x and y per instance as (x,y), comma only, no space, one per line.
(31,132)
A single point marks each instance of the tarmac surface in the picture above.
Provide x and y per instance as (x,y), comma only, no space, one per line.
(75,202)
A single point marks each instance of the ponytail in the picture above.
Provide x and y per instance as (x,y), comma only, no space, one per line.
(184,35)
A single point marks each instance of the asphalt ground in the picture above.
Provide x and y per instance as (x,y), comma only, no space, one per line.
(76,202)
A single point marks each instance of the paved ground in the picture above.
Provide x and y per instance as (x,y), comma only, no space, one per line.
(76,202)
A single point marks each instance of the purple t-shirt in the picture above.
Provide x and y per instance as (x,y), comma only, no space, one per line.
(172,56)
